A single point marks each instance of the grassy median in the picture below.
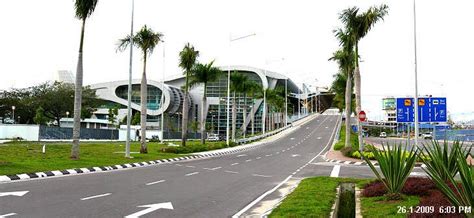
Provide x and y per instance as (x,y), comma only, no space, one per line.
(27,157)
(315,196)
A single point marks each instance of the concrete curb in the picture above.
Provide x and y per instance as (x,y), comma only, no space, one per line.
(363,163)
(201,155)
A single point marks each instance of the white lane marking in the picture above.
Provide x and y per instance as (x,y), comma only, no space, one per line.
(258,175)
(17,193)
(238,214)
(258,158)
(248,160)
(216,168)
(295,155)
(268,155)
(179,165)
(8,214)
(278,152)
(190,174)
(152,183)
(234,164)
(95,196)
(319,137)
(335,171)
(191,166)
(326,127)
(227,171)
(151,208)
(292,138)
(241,155)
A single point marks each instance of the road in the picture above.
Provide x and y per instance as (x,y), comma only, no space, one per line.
(396,141)
(214,187)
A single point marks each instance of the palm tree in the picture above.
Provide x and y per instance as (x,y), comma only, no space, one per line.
(345,59)
(204,73)
(358,25)
(187,59)
(83,8)
(253,91)
(237,85)
(146,40)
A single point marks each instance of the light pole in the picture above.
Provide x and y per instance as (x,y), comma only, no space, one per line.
(13,115)
(67,114)
(286,101)
(129,96)
(163,97)
(416,77)
(228,82)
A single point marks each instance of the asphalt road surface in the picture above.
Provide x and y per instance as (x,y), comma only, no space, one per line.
(214,187)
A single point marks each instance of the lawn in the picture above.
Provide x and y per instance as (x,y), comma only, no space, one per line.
(315,196)
(342,137)
(27,157)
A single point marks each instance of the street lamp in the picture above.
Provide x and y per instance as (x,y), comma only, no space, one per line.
(13,115)
(129,91)
(416,77)
(228,82)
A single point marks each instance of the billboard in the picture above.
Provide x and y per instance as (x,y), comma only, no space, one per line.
(388,104)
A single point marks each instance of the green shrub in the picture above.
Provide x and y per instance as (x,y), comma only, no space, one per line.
(442,164)
(354,141)
(395,163)
(347,151)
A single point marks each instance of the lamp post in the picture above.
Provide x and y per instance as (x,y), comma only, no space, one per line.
(416,77)
(163,97)
(13,115)
(228,83)
(129,95)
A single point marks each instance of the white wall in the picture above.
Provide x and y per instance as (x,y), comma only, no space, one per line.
(27,132)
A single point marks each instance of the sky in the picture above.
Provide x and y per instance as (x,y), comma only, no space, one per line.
(294,38)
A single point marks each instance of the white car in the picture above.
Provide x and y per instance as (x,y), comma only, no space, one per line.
(427,135)
(213,137)
(383,135)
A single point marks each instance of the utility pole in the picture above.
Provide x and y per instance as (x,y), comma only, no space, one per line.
(416,77)
(129,96)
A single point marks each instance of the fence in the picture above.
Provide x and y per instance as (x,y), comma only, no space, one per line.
(451,135)
(59,133)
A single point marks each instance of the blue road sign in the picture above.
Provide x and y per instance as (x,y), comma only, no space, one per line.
(405,109)
(439,110)
(429,110)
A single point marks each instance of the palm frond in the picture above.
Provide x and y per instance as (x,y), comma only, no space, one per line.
(84,8)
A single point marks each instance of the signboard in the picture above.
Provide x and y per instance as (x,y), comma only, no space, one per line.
(429,110)
(439,110)
(388,104)
(405,110)
(362,116)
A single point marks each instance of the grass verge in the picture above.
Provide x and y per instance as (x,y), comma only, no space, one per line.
(27,157)
(313,197)
(342,137)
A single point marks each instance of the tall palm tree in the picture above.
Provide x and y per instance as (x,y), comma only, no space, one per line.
(358,25)
(253,91)
(146,40)
(187,59)
(237,85)
(83,8)
(345,59)
(204,73)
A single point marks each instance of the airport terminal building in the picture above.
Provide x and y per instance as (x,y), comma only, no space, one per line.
(115,94)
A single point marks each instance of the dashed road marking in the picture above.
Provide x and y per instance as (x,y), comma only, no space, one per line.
(241,155)
(95,196)
(234,164)
(258,175)
(8,214)
(233,172)
(191,166)
(152,183)
(248,160)
(190,174)
(258,158)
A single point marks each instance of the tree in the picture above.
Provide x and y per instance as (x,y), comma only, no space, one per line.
(237,85)
(345,58)
(204,73)
(253,91)
(112,116)
(136,118)
(358,25)
(39,117)
(146,40)
(187,59)
(83,8)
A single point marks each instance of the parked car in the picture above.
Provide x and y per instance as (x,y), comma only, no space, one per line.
(427,135)
(383,135)
(212,137)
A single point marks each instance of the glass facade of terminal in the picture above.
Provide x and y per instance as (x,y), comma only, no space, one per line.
(153,98)
(217,115)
